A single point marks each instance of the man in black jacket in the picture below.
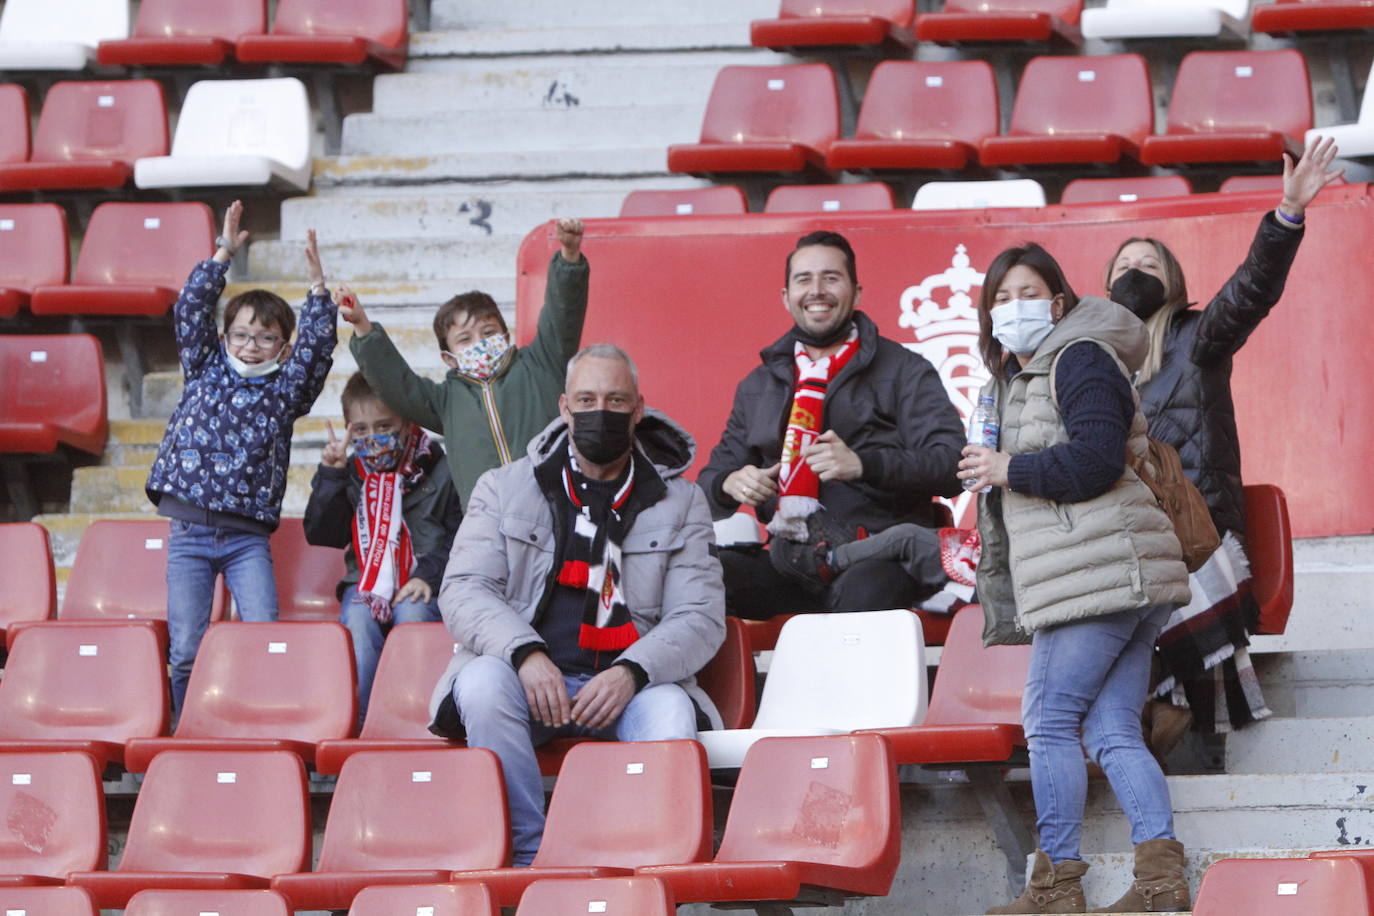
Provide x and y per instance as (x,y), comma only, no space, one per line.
(839,433)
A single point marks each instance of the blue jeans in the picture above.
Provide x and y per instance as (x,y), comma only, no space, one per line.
(196,554)
(491,702)
(1092,676)
(368,635)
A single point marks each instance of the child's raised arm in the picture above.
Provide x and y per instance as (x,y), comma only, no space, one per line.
(316,335)
(193,316)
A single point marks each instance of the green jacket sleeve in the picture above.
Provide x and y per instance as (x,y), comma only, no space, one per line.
(402,389)
(565,309)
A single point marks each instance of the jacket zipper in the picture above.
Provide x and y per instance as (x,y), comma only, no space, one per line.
(498,434)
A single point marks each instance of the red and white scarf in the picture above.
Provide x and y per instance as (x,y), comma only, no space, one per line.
(798,485)
(381,540)
(592,564)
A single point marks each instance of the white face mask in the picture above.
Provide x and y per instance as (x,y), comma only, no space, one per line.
(253,370)
(1022,325)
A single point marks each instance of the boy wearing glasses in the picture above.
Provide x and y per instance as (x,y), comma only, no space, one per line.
(220,472)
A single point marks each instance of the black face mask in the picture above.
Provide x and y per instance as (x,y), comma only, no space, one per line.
(601,436)
(829,340)
(1140,292)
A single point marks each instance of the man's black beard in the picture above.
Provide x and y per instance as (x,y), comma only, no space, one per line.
(829,339)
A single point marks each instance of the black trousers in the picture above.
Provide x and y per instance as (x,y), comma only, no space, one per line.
(756,591)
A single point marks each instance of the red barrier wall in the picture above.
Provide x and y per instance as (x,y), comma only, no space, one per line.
(693,300)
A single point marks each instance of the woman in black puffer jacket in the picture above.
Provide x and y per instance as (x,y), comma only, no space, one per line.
(1185,391)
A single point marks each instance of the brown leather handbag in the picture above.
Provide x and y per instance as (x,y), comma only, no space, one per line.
(1161,470)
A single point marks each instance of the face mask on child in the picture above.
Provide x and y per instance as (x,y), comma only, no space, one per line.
(379,452)
(253,370)
(1022,325)
(483,359)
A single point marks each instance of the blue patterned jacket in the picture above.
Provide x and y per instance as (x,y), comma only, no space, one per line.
(228,445)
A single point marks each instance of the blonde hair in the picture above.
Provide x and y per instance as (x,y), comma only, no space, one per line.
(1175,299)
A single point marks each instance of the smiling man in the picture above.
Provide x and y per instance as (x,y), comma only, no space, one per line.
(839,433)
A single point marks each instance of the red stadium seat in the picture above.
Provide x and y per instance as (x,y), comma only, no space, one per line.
(54,816)
(52,393)
(837,23)
(1332,886)
(975,706)
(223,821)
(49,901)
(382,827)
(1273,184)
(26,568)
(812,820)
(614,896)
(262,686)
(14,124)
(921,115)
(1081,109)
(413,658)
(829,198)
(345,32)
(724,199)
(764,119)
(307,576)
(1288,17)
(133,261)
(431,899)
(90,688)
(1235,106)
(728,678)
(203,903)
(89,134)
(180,33)
(1269,547)
(1124,190)
(979,21)
(616,806)
(33,252)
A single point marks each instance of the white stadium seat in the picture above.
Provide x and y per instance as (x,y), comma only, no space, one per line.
(1353,140)
(58,34)
(1166,19)
(237,132)
(832,674)
(974,195)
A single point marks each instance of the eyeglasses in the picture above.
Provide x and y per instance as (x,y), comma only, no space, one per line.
(262,341)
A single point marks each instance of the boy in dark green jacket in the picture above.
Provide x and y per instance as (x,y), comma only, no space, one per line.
(496,397)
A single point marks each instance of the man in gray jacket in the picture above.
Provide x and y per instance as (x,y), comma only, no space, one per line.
(583,589)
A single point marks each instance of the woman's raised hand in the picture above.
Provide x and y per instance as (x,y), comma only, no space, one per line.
(1303,179)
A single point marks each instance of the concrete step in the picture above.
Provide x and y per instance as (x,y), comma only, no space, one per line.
(506,130)
(481,14)
(1333,683)
(407,168)
(1308,745)
(399,302)
(119,491)
(1334,578)
(611,38)
(364,262)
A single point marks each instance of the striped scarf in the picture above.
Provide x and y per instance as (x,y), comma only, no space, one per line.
(381,540)
(592,563)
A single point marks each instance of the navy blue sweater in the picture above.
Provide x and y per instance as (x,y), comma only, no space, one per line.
(1096,402)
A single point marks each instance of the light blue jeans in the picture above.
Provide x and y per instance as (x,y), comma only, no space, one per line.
(368,635)
(196,554)
(491,702)
(1091,676)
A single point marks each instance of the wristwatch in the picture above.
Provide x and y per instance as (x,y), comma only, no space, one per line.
(222,242)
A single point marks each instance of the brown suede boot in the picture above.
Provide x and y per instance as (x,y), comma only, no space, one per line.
(1159,886)
(1165,725)
(1051,889)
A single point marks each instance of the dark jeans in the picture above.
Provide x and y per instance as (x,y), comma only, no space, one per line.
(756,591)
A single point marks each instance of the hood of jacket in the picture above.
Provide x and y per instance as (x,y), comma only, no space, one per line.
(668,446)
(1102,320)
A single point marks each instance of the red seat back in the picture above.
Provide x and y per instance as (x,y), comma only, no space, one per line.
(1124,190)
(626,805)
(30,591)
(121,120)
(88,682)
(54,810)
(307,575)
(725,199)
(1269,547)
(788,104)
(241,812)
(898,12)
(292,681)
(1334,886)
(14,123)
(413,658)
(50,901)
(382,21)
(728,677)
(976,684)
(432,899)
(144,244)
(226,19)
(203,902)
(1085,94)
(826,198)
(642,896)
(52,391)
(1221,91)
(930,100)
(120,573)
(830,801)
(1068,11)
(33,245)
(382,816)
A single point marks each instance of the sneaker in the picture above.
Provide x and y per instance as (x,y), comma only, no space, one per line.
(808,562)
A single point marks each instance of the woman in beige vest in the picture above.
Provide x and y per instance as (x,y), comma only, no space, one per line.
(1079,558)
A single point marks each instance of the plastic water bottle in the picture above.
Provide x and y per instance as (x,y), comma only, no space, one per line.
(984,429)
